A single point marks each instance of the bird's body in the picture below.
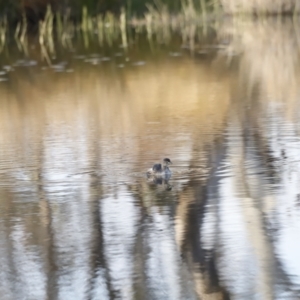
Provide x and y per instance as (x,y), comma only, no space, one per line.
(161,170)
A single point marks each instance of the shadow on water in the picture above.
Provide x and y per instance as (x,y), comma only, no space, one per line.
(80,219)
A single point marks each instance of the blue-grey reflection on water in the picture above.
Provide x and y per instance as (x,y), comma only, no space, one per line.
(80,220)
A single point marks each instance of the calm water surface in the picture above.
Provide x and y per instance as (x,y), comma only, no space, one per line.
(80,220)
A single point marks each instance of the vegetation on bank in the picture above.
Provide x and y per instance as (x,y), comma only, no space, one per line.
(35,10)
(116,20)
(54,20)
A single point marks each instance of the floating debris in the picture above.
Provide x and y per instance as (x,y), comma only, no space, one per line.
(175,54)
(60,67)
(25,63)
(121,65)
(139,63)
(80,56)
(105,58)
(93,61)
(32,63)
(19,62)
(57,67)
(8,68)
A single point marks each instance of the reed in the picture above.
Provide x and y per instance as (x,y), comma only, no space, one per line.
(123,28)
(3,33)
(23,35)
(59,24)
(68,31)
(148,21)
(46,31)
(100,29)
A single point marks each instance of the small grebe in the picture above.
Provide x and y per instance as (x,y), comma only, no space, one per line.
(159,170)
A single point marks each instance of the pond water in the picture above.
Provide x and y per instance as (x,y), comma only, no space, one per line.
(80,219)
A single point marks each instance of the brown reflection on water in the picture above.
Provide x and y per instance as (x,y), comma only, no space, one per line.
(134,112)
(79,219)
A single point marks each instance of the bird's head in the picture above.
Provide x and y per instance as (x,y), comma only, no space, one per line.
(167,161)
